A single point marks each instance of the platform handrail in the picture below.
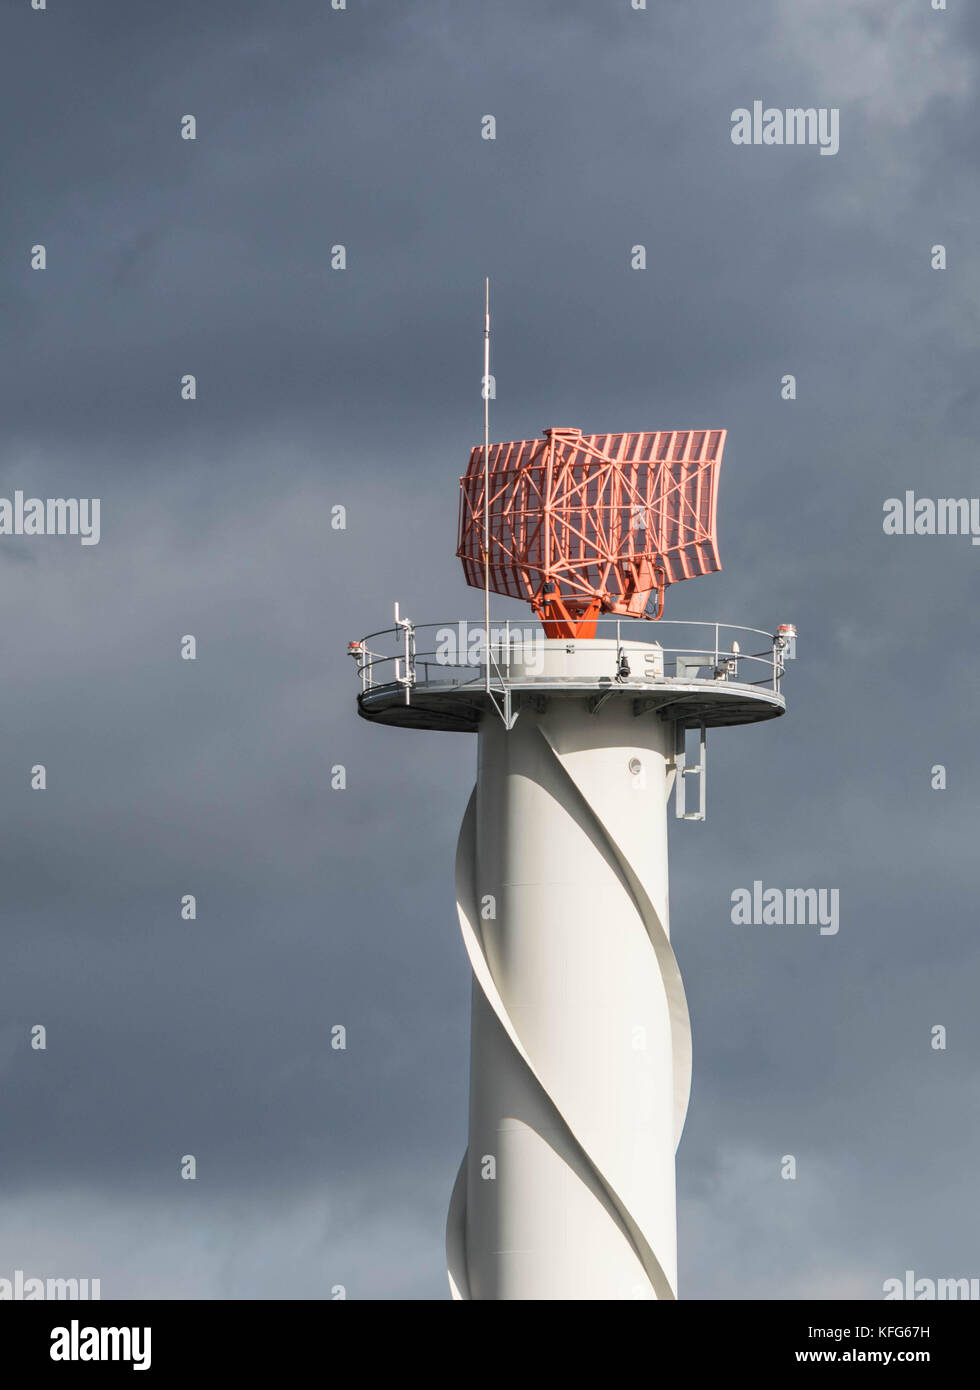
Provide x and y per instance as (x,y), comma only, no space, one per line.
(411,661)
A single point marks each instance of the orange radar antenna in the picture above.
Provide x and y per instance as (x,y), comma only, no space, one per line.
(584,524)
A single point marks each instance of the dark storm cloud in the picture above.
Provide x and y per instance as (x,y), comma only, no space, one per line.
(360,387)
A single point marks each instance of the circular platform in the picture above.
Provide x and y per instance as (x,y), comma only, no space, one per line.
(689,686)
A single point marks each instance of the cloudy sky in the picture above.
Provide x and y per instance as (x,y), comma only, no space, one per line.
(360,387)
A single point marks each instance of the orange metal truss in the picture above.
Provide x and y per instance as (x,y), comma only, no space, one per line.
(583,524)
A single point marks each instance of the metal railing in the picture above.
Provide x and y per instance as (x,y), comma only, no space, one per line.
(401,655)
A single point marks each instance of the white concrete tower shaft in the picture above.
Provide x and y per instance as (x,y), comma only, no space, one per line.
(581,1047)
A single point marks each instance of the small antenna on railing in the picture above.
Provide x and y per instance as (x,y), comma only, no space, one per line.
(486,480)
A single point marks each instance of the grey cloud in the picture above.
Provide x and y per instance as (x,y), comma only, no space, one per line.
(361,387)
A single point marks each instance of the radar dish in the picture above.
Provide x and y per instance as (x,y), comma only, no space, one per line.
(584,524)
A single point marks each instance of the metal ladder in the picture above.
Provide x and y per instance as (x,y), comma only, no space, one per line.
(684,770)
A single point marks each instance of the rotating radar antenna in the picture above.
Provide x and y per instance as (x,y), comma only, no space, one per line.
(585,524)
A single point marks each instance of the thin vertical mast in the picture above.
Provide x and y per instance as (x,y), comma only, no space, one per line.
(486,479)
